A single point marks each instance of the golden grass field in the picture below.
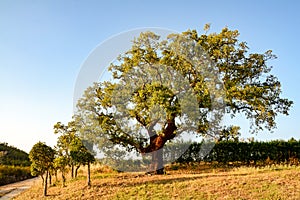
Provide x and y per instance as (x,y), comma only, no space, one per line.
(275,182)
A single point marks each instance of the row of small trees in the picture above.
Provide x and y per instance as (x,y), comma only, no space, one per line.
(69,154)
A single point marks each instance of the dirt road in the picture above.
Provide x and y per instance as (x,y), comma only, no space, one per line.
(11,190)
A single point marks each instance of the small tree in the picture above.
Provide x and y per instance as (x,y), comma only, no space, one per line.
(81,156)
(64,141)
(42,157)
(61,163)
(71,150)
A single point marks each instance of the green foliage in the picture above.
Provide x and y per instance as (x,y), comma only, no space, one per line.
(67,135)
(256,153)
(10,174)
(13,156)
(80,155)
(230,133)
(250,88)
(61,163)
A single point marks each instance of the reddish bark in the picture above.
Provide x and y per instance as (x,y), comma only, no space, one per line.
(156,145)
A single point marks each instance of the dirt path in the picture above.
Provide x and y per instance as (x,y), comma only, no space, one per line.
(11,190)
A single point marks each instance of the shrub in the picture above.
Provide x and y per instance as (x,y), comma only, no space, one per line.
(10,174)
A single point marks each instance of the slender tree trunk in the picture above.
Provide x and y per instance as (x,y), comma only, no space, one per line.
(45,184)
(56,176)
(72,170)
(50,179)
(43,180)
(89,175)
(76,170)
(63,178)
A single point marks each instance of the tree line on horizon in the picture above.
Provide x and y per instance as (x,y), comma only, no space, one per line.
(241,153)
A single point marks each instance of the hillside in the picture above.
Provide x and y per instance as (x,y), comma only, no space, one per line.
(14,164)
(10,155)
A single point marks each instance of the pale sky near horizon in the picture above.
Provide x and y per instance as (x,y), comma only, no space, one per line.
(44,43)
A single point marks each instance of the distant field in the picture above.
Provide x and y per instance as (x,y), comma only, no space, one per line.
(276,182)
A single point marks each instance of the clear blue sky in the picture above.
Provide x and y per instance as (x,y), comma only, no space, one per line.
(44,43)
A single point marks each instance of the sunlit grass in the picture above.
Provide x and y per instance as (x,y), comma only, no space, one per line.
(273,182)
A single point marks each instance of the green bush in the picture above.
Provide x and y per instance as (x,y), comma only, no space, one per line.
(10,174)
(246,153)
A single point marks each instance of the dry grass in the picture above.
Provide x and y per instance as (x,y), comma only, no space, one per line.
(277,182)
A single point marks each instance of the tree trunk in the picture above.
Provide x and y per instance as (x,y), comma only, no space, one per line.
(43,180)
(157,161)
(50,179)
(63,179)
(45,184)
(76,170)
(89,175)
(72,171)
(55,176)
(156,145)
